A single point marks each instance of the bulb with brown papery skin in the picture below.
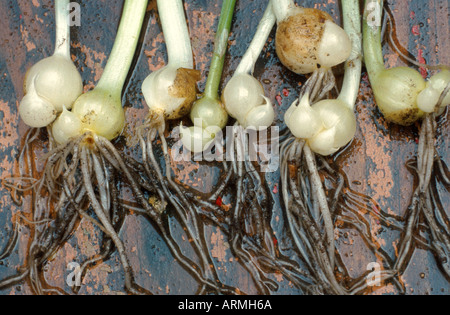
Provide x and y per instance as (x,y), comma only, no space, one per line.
(171,91)
(308,39)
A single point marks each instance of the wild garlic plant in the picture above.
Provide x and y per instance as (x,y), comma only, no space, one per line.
(54,83)
(320,130)
(170,93)
(404,97)
(208,114)
(248,226)
(80,173)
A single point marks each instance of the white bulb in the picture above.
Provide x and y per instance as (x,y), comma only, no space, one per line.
(336,114)
(156,90)
(101,113)
(196,139)
(171,91)
(339,127)
(335,46)
(241,95)
(324,142)
(56,79)
(396,91)
(302,120)
(36,111)
(66,127)
(428,99)
(50,85)
(260,117)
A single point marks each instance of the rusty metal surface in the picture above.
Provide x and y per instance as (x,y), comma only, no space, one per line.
(374,163)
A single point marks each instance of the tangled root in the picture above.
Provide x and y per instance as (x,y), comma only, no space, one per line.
(426,201)
(313,215)
(247,226)
(171,193)
(77,182)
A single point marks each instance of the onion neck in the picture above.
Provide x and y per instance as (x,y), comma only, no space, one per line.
(353,66)
(281,8)
(62,42)
(120,60)
(176,33)
(373,49)
(248,62)
(220,49)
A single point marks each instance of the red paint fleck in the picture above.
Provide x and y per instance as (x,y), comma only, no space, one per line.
(412,15)
(416,30)
(286,92)
(275,241)
(279,99)
(219,201)
(420,58)
(417,140)
(275,189)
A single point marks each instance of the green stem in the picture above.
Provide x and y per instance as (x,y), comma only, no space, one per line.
(220,49)
(119,62)
(373,49)
(62,42)
(353,66)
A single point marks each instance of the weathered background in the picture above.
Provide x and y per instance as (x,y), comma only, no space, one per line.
(374,163)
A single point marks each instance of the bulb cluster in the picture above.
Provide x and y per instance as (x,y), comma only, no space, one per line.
(209,117)
(244,100)
(327,125)
(404,97)
(51,85)
(97,111)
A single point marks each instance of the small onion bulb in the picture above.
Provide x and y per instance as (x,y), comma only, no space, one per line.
(327,125)
(209,117)
(308,39)
(428,99)
(97,111)
(171,91)
(197,139)
(209,112)
(67,127)
(339,127)
(302,120)
(244,100)
(50,85)
(36,111)
(261,117)
(396,92)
